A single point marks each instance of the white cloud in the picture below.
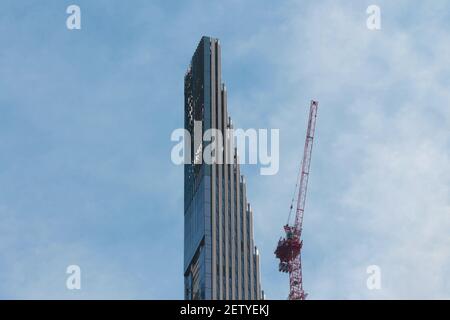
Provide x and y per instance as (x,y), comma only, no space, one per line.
(379,187)
(381,166)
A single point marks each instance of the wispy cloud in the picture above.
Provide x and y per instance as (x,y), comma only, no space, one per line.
(85,121)
(380,175)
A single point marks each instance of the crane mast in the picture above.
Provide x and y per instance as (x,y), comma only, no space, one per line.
(289,248)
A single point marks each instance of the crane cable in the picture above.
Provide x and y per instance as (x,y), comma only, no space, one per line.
(295,192)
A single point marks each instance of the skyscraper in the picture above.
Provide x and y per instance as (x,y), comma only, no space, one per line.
(220,259)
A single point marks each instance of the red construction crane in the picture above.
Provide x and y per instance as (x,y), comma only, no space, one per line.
(289,248)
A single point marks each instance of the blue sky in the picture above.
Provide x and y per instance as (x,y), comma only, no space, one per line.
(86,118)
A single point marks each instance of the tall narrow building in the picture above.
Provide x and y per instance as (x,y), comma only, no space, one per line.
(221,261)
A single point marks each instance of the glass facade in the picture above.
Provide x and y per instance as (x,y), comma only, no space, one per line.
(220,260)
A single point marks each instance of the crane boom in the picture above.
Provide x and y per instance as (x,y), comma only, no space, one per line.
(289,248)
(306,164)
